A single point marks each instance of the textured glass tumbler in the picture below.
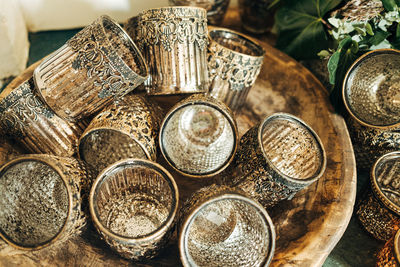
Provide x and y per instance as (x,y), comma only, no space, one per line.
(234,62)
(126,129)
(199,136)
(42,200)
(379,211)
(277,158)
(173,41)
(216,9)
(221,227)
(133,204)
(30,122)
(371,89)
(99,63)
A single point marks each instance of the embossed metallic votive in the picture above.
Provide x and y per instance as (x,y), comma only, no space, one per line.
(234,62)
(173,41)
(41,200)
(389,255)
(277,158)
(379,211)
(199,136)
(216,9)
(133,204)
(371,143)
(371,89)
(127,129)
(221,227)
(30,122)
(99,63)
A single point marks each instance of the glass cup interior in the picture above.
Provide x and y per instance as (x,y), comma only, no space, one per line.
(372,89)
(124,47)
(227,232)
(100,148)
(134,201)
(198,139)
(34,203)
(236,42)
(387,175)
(291,148)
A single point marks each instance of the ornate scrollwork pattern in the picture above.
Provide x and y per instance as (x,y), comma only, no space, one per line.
(166,26)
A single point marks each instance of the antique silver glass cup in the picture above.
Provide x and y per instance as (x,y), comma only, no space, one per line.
(42,200)
(173,41)
(198,136)
(216,9)
(30,122)
(277,158)
(99,63)
(379,210)
(127,129)
(133,204)
(219,226)
(371,89)
(234,62)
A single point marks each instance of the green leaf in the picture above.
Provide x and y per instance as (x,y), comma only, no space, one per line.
(300,26)
(389,5)
(334,60)
(378,37)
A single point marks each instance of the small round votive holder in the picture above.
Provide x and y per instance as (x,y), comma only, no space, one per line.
(216,9)
(276,158)
(25,118)
(379,210)
(389,255)
(173,41)
(371,89)
(126,129)
(234,62)
(219,226)
(42,200)
(97,65)
(133,204)
(371,143)
(199,136)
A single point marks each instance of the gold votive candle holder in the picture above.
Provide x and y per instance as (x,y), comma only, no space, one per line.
(219,226)
(42,200)
(97,65)
(133,204)
(389,255)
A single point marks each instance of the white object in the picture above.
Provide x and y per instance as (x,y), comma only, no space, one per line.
(14,45)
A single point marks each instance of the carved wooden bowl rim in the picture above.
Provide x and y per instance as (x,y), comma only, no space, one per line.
(216,198)
(161,230)
(354,67)
(287,116)
(50,163)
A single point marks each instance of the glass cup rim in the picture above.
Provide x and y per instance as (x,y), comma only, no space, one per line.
(102,177)
(292,118)
(56,237)
(352,68)
(184,232)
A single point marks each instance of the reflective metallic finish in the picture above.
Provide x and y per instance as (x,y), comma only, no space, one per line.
(199,136)
(216,9)
(234,62)
(276,158)
(126,129)
(133,204)
(389,255)
(99,63)
(42,200)
(371,89)
(30,122)
(379,212)
(173,41)
(219,226)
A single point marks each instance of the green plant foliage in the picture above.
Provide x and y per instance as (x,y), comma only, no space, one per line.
(300,26)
